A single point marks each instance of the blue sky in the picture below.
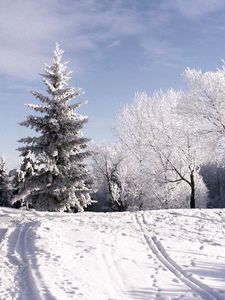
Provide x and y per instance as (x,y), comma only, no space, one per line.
(115,48)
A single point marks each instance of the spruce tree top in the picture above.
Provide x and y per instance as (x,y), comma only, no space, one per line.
(60,118)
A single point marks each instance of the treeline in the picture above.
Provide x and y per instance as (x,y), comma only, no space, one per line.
(169,150)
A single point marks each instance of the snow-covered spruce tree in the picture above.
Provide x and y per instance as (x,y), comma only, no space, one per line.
(60,181)
(22,179)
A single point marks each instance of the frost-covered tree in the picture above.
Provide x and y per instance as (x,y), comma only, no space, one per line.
(5,192)
(203,106)
(108,165)
(117,178)
(60,180)
(203,103)
(168,152)
(22,179)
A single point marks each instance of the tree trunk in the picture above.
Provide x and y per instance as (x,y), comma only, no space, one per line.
(192,202)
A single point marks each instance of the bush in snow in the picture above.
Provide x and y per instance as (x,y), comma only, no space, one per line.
(53,175)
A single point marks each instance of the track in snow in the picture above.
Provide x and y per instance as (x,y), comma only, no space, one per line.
(109,256)
(7,271)
(158,250)
(21,255)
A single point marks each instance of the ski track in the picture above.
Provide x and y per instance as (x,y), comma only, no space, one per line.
(20,253)
(156,247)
(7,291)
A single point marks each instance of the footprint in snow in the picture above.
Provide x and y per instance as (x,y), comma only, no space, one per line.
(215,244)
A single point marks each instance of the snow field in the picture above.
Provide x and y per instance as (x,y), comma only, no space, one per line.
(174,254)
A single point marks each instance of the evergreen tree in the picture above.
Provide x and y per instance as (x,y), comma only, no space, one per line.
(22,179)
(59,181)
(5,193)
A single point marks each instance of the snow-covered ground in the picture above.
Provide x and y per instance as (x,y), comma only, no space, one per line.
(174,254)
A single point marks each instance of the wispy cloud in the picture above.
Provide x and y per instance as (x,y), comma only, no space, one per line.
(194,9)
(29,29)
(163,52)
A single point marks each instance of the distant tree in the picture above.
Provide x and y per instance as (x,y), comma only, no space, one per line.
(107,164)
(214,178)
(60,180)
(5,192)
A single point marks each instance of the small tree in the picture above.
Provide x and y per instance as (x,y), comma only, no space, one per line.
(22,179)
(5,193)
(60,180)
(109,176)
